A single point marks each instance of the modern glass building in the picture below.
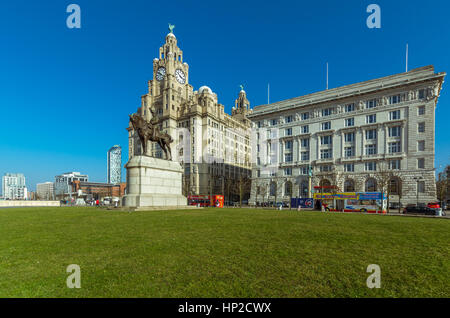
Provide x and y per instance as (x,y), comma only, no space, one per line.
(114,173)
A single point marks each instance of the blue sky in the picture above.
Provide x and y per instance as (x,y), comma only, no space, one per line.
(65,93)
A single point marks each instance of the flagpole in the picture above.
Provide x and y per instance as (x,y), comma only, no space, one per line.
(407,57)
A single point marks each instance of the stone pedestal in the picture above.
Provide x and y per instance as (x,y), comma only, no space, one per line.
(153,182)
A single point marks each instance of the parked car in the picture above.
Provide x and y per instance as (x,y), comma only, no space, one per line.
(434,205)
(437,207)
(414,209)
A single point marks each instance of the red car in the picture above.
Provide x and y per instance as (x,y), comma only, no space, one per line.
(434,205)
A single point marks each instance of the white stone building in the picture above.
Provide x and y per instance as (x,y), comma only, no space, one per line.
(349,136)
(14,186)
(213,146)
(45,191)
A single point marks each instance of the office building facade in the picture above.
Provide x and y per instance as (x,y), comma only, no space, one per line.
(14,186)
(350,137)
(114,165)
(63,182)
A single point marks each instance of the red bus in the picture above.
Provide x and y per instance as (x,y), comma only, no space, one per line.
(206,200)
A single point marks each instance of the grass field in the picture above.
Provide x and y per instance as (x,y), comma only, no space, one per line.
(220,253)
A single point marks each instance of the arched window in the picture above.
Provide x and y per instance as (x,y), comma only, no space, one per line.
(371,185)
(349,185)
(394,186)
(273,188)
(303,190)
(288,188)
(325,183)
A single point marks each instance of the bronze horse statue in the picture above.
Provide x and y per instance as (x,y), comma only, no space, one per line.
(150,131)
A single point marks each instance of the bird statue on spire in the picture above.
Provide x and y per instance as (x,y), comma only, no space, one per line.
(171,27)
(242,87)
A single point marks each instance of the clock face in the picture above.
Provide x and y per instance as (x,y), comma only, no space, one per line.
(181,78)
(160,73)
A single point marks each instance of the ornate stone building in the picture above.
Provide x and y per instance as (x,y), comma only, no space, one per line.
(213,146)
(350,137)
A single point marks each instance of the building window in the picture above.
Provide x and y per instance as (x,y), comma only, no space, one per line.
(288,145)
(371,119)
(394,186)
(349,108)
(273,189)
(421,163)
(394,131)
(421,185)
(326,140)
(349,185)
(349,152)
(305,129)
(394,164)
(326,125)
(421,127)
(304,170)
(325,168)
(288,171)
(394,115)
(349,137)
(394,147)
(371,185)
(288,157)
(305,155)
(395,99)
(274,122)
(371,149)
(288,132)
(421,145)
(371,134)
(349,167)
(326,153)
(304,142)
(305,116)
(421,93)
(326,112)
(288,119)
(421,110)
(288,189)
(371,103)
(371,166)
(349,122)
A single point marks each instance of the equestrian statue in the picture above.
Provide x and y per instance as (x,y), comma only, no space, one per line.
(150,131)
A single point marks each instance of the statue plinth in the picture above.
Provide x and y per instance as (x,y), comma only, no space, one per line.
(153,182)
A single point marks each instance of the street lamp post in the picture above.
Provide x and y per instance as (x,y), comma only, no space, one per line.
(417,192)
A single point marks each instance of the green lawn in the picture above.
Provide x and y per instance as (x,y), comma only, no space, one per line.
(220,253)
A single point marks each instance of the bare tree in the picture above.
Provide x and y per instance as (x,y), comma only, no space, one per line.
(243,184)
(228,187)
(442,185)
(384,177)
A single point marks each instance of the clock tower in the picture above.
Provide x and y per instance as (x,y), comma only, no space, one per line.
(167,91)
